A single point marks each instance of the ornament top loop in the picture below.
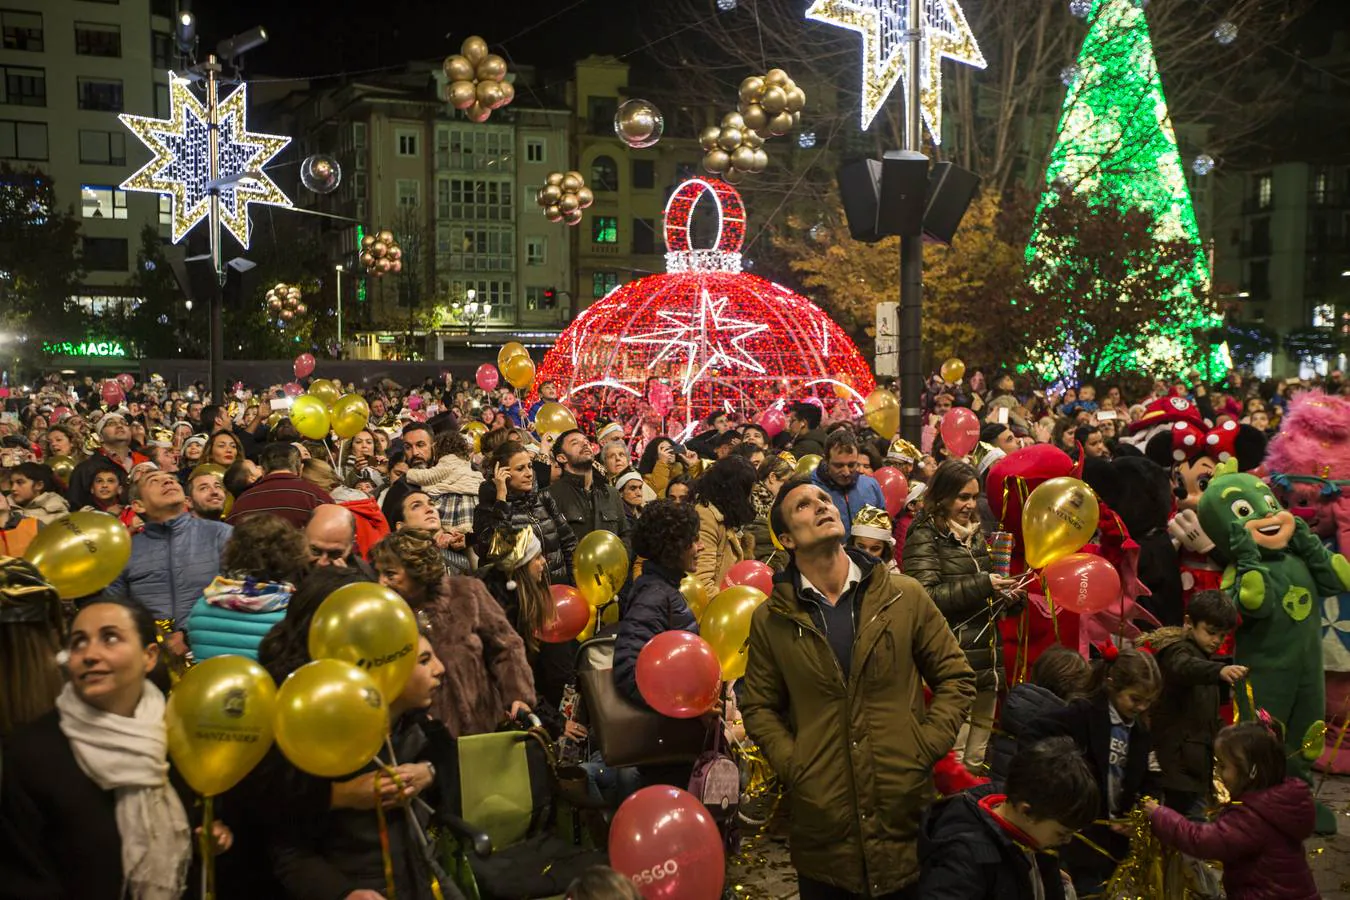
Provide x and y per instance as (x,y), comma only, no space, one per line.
(730,215)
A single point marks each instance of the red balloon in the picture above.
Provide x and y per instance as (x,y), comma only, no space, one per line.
(487,376)
(960,430)
(894,487)
(1082,583)
(678,674)
(304,365)
(112,393)
(293,390)
(665,841)
(569,616)
(772,420)
(126,382)
(751,572)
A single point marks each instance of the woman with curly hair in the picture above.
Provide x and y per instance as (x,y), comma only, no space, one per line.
(260,565)
(61,440)
(722,501)
(487,674)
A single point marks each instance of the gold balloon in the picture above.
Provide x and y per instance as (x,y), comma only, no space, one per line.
(489,93)
(219,722)
(554,418)
(573,217)
(553,213)
(585,197)
(730,139)
(796,99)
(478,113)
(379,250)
(733,175)
(555,178)
(778,77)
(761,161)
(806,465)
(573,173)
(572,183)
(1060,516)
(882,411)
(755,117)
(716,161)
(751,89)
(386,236)
(80,553)
(600,565)
(457,68)
(733,120)
(331,718)
(510,350)
(309,415)
(568,203)
(775,100)
(708,137)
(208,469)
(694,594)
(726,626)
(474,431)
(519,372)
(781,124)
(371,627)
(953,370)
(754,139)
(351,413)
(326,391)
(492,68)
(549,194)
(743,158)
(462,94)
(475,49)
(61,467)
(508,94)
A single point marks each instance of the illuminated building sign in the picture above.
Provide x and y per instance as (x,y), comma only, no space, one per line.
(85,348)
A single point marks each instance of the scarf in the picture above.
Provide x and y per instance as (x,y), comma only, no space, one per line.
(129,756)
(963,533)
(248,594)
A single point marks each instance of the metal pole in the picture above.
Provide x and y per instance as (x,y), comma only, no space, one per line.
(339,309)
(212,67)
(911,253)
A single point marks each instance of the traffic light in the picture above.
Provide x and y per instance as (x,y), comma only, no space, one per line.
(550,297)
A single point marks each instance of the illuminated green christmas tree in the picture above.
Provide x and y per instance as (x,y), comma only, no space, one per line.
(1116,147)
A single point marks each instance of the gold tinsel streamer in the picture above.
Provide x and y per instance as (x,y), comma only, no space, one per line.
(1149,870)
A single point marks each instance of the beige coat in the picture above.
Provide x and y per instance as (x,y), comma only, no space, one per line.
(722,548)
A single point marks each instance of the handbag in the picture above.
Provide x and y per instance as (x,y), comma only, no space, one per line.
(625,733)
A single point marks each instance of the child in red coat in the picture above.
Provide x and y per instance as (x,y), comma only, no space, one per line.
(1259,837)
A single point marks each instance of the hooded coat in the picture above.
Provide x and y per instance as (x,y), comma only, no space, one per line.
(654,605)
(855,753)
(1025,703)
(46,507)
(1184,721)
(1259,841)
(533,509)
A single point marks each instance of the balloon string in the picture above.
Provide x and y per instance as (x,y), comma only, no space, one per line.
(208,850)
(386,858)
(1050,605)
(406,803)
(1335,750)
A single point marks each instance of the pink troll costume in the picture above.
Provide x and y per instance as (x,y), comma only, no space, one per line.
(1309,466)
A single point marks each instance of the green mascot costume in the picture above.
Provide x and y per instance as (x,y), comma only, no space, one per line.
(1278,571)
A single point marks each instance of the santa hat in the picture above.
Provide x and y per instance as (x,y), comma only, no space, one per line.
(1167,409)
(873,523)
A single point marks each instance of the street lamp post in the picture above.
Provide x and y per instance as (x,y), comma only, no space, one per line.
(339,270)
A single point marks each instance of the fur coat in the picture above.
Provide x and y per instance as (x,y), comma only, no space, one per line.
(486,669)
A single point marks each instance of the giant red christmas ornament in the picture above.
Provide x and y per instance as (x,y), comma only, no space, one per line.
(719,337)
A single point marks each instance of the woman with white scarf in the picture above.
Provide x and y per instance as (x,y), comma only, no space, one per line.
(86,806)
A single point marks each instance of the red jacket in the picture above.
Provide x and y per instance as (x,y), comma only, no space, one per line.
(282,494)
(1259,841)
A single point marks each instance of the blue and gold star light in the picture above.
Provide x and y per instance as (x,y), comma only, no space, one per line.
(885,53)
(181,164)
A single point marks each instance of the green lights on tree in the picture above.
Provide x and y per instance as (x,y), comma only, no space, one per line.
(1116,148)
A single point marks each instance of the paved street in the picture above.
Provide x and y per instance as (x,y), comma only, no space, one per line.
(763,871)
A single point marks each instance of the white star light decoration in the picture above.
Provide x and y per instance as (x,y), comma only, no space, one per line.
(885,53)
(181,164)
(706,337)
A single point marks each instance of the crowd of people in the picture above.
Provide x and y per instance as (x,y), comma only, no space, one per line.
(878,659)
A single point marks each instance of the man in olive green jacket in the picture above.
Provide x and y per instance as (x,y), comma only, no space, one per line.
(834,696)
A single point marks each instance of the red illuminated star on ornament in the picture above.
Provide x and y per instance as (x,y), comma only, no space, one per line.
(707,338)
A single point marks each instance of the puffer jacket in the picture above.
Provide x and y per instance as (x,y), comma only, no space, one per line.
(654,605)
(1185,719)
(171,564)
(46,507)
(1025,703)
(233,615)
(856,754)
(863,492)
(1259,840)
(957,577)
(534,509)
(598,508)
(723,547)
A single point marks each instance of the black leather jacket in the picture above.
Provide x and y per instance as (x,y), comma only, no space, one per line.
(533,509)
(599,508)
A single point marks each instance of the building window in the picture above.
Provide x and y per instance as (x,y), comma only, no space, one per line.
(165,211)
(21,86)
(98,39)
(536,251)
(165,8)
(601,112)
(477,248)
(359,135)
(162,101)
(1265,188)
(475,148)
(101,201)
(1319,186)
(23,140)
(407,143)
(495,294)
(105,254)
(103,94)
(1258,279)
(604,174)
(602,283)
(409,193)
(644,174)
(604,229)
(474,198)
(1260,245)
(162,49)
(103,148)
(644,236)
(534,298)
(534,151)
(21,30)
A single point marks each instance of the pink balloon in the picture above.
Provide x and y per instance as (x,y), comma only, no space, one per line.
(415,401)
(665,841)
(751,572)
(112,393)
(4,393)
(816,402)
(417,415)
(960,430)
(487,376)
(772,420)
(894,487)
(1082,583)
(304,365)
(293,390)
(126,381)
(678,674)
